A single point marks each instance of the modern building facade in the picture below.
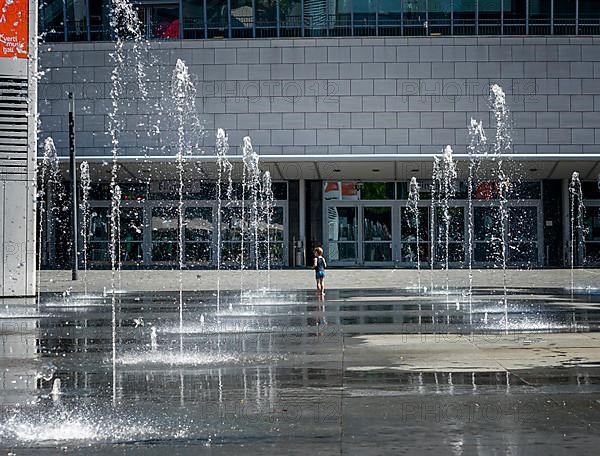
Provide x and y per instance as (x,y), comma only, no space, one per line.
(18,106)
(345,102)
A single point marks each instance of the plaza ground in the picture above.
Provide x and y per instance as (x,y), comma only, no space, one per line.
(371,369)
(303,279)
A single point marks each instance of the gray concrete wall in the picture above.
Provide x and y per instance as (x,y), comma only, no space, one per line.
(18,146)
(334,96)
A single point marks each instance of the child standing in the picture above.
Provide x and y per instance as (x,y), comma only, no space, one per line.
(319,266)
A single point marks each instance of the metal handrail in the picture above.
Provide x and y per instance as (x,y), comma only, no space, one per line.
(362,24)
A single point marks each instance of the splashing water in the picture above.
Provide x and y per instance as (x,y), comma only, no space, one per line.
(183,94)
(435,180)
(268,201)
(114,248)
(448,179)
(503,143)
(224,167)
(250,158)
(50,195)
(86,186)
(477,144)
(153,339)
(578,229)
(413,205)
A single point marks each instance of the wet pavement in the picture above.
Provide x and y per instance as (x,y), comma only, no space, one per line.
(373,371)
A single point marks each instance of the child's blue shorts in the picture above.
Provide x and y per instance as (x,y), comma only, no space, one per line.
(320,274)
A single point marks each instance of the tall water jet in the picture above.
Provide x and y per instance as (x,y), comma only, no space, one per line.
(127,27)
(502,144)
(268,202)
(477,144)
(50,191)
(577,223)
(250,182)
(115,224)
(413,205)
(183,95)
(448,180)
(435,181)
(224,167)
(86,186)
(250,158)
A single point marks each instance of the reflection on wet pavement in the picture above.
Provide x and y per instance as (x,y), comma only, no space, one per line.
(362,371)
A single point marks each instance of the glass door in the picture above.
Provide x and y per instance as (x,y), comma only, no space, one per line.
(523,235)
(165,234)
(377,234)
(592,235)
(487,234)
(456,235)
(342,234)
(408,235)
(198,235)
(132,235)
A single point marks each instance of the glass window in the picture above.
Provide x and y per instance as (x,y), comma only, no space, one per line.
(424,190)
(490,14)
(216,18)
(51,20)
(76,20)
(266,17)
(242,18)
(99,20)
(415,17)
(336,190)
(514,17)
(591,190)
(465,12)
(592,223)
(390,14)
(198,235)
(193,19)
(525,190)
(315,14)
(280,191)
(132,234)
(98,236)
(589,9)
(377,190)
(592,235)
(165,233)
(198,224)
(439,17)
(290,17)
(539,17)
(163,21)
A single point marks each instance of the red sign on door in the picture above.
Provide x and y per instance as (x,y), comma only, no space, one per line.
(14,29)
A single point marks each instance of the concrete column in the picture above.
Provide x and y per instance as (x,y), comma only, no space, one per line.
(566,222)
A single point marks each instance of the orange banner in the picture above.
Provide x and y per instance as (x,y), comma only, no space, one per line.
(14,29)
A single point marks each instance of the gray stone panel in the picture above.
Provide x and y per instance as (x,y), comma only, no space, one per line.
(352,94)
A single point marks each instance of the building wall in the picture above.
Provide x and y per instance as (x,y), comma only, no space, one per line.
(334,96)
(18,125)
